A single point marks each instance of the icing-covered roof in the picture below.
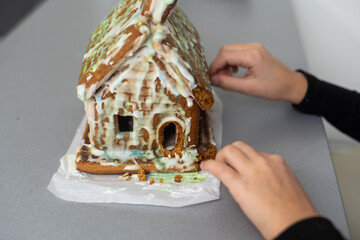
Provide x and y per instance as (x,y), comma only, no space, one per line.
(163,34)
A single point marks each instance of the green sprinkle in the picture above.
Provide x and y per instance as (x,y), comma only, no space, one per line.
(186,177)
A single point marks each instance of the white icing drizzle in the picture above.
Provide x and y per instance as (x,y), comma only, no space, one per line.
(158,8)
(131,167)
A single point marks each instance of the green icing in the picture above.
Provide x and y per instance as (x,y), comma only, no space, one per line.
(168,178)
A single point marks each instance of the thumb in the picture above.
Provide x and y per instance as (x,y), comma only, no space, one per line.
(238,84)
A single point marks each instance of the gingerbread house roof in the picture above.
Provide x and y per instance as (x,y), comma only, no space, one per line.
(172,43)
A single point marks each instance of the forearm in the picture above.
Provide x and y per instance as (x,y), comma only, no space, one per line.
(339,106)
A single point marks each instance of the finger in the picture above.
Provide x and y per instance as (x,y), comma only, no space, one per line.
(234,69)
(233,156)
(224,72)
(239,54)
(243,85)
(240,46)
(233,58)
(274,157)
(265,154)
(247,149)
(228,71)
(225,173)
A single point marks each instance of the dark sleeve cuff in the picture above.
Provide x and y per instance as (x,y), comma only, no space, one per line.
(310,104)
(313,228)
(339,106)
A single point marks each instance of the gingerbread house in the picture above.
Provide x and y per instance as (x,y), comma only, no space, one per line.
(145,85)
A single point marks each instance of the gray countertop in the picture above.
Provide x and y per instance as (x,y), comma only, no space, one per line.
(39,64)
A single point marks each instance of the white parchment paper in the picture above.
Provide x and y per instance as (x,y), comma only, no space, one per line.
(71,185)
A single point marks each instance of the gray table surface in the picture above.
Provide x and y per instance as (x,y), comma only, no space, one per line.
(39,64)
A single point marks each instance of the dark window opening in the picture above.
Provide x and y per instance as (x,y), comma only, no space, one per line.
(125,123)
(169,140)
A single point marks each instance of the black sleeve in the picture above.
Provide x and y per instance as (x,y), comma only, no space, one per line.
(339,106)
(313,228)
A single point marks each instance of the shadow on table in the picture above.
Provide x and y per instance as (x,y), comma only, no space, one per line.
(12,12)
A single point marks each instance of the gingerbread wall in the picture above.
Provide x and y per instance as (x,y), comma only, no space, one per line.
(138,90)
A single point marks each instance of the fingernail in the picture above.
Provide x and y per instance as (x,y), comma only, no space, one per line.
(215,80)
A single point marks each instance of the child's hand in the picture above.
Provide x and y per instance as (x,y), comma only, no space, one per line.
(266,77)
(264,186)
